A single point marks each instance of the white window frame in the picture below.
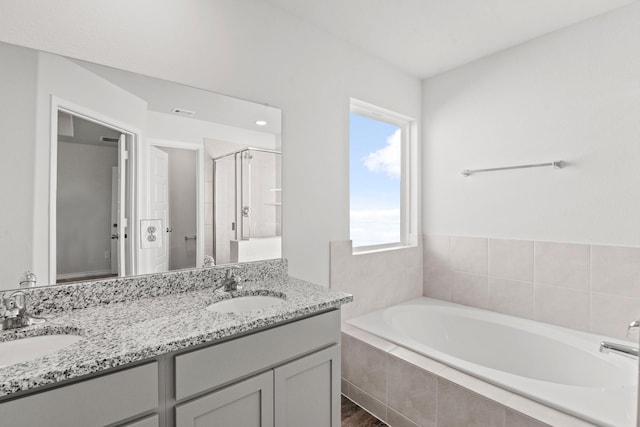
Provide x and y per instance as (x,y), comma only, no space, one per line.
(408,175)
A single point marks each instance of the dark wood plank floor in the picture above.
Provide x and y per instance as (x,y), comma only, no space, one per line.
(355,416)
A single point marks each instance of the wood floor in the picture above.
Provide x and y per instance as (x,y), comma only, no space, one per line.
(355,416)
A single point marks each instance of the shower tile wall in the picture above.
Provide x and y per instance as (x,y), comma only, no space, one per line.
(591,288)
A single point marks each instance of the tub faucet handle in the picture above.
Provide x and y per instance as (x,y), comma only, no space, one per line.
(633,325)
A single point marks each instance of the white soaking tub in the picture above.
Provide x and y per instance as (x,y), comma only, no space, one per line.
(559,367)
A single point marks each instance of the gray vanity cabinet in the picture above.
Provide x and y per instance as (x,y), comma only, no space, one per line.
(303,392)
(248,403)
(307,391)
(286,376)
(99,401)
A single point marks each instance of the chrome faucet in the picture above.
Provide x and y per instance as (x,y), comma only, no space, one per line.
(230,281)
(633,325)
(14,305)
(625,350)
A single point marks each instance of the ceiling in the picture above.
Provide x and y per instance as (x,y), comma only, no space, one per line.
(427,37)
(163,96)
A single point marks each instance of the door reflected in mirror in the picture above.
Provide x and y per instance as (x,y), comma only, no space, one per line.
(89,181)
(92,199)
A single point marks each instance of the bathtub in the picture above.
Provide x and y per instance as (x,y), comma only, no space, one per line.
(558,367)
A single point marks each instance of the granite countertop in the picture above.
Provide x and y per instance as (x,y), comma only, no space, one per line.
(125,332)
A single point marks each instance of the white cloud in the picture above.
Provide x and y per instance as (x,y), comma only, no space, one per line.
(388,158)
(375,226)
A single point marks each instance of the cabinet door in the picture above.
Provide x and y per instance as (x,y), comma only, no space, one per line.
(96,401)
(248,403)
(151,421)
(307,391)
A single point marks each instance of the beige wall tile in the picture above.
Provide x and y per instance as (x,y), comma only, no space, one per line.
(346,343)
(436,253)
(397,420)
(515,419)
(469,289)
(368,402)
(344,386)
(615,270)
(562,306)
(511,297)
(511,259)
(377,279)
(610,315)
(412,392)
(469,254)
(562,264)
(437,267)
(437,285)
(458,407)
(367,368)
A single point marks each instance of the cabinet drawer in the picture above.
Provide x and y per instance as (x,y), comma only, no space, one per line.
(93,402)
(214,366)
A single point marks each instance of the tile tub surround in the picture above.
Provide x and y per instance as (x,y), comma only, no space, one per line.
(376,279)
(120,333)
(592,288)
(404,388)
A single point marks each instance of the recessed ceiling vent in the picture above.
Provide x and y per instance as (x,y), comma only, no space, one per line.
(109,139)
(183,112)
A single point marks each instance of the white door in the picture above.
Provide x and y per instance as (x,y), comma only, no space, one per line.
(123,157)
(159,207)
(115,175)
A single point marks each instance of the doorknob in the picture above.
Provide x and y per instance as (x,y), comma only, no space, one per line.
(115,236)
(169,229)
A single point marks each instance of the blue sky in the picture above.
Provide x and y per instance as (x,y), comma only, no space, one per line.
(374,181)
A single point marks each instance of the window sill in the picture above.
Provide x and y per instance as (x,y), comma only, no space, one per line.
(363,250)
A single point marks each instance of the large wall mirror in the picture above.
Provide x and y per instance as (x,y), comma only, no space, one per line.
(108,173)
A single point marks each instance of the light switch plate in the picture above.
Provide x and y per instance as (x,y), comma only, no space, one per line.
(151,233)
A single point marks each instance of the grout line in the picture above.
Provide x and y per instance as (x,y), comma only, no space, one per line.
(590,288)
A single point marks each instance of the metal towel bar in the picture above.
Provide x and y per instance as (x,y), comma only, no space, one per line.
(556,164)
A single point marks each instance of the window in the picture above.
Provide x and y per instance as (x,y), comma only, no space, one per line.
(382,178)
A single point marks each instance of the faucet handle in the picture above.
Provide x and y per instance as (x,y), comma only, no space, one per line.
(28,280)
(230,272)
(633,325)
(14,303)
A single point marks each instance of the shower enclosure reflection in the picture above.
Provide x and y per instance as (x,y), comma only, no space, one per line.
(247,206)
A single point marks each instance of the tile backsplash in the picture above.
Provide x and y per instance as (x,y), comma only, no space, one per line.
(591,288)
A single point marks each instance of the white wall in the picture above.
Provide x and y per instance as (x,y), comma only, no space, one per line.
(573,95)
(17,150)
(251,50)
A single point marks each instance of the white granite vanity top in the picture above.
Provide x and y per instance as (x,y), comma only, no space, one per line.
(124,332)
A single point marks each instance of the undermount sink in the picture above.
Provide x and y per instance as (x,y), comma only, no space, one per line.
(244,303)
(25,349)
